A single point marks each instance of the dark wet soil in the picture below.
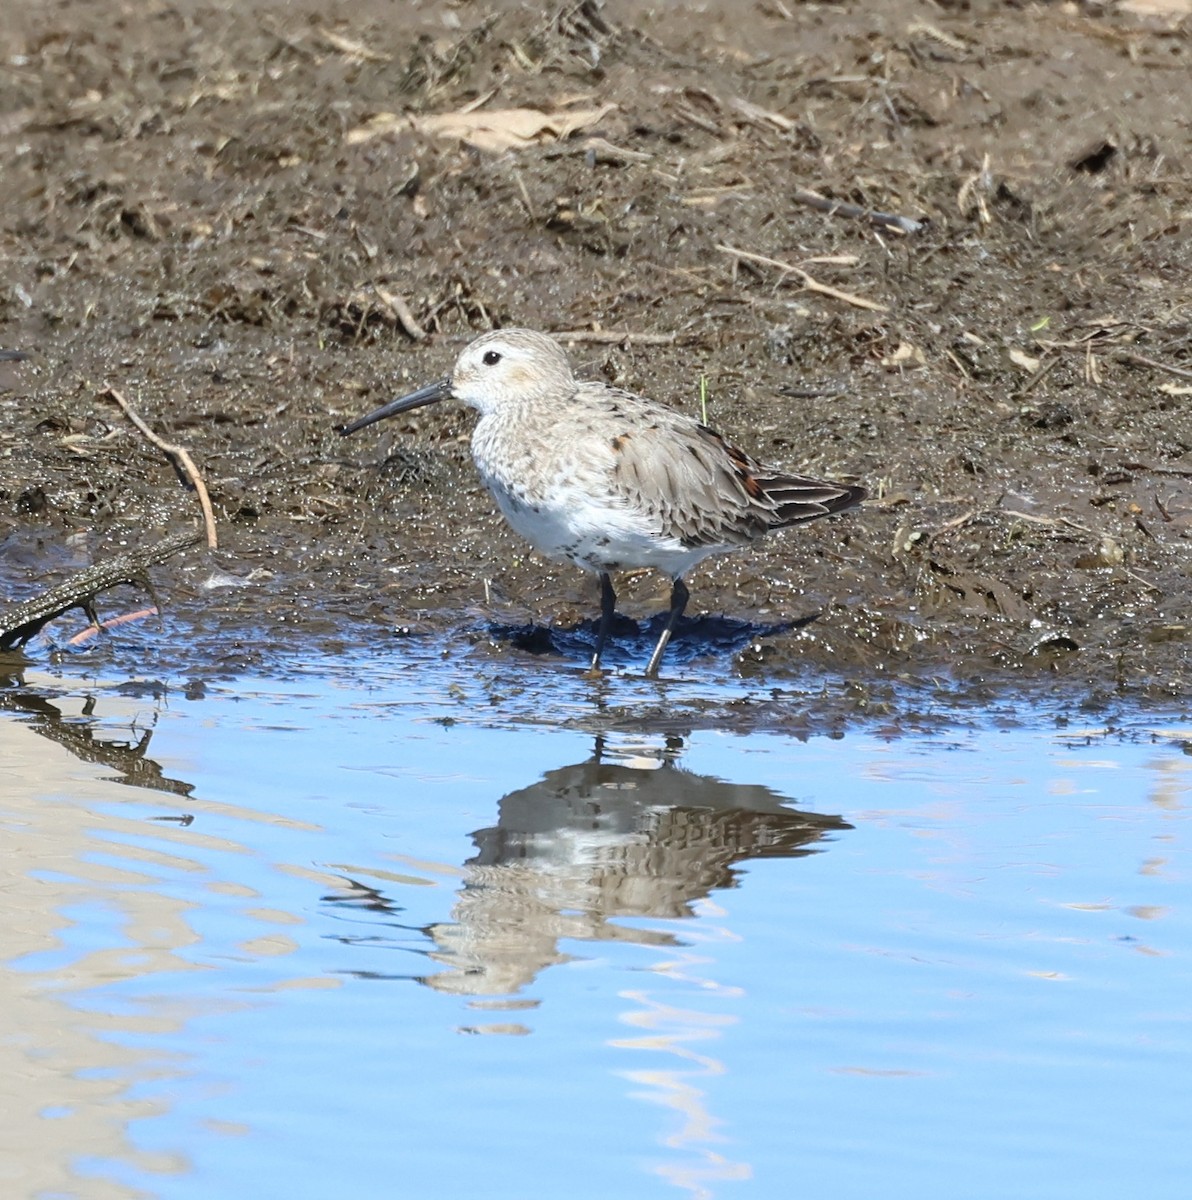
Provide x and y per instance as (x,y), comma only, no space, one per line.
(206,208)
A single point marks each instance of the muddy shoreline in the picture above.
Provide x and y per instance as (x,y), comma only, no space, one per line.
(251,221)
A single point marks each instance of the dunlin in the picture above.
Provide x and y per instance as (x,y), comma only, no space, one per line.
(606,479)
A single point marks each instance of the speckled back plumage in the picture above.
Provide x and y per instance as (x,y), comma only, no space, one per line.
(607,479)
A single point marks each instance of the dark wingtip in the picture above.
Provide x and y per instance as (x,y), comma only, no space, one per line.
(849,496)
(795,499)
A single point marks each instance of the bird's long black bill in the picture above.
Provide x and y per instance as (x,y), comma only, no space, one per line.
(430,394)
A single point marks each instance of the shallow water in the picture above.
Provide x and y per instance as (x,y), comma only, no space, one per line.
(250,924)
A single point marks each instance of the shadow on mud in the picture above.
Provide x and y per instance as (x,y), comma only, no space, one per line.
(632,642)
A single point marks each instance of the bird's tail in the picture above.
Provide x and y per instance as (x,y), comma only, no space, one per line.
(794,499)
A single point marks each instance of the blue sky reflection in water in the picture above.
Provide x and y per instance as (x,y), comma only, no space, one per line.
(402,948)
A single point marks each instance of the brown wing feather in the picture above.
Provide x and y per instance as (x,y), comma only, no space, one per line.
(791,499)
(703,490)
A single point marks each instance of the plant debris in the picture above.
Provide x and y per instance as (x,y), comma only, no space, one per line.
(919,255)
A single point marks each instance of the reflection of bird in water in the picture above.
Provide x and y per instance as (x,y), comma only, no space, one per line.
(601,840)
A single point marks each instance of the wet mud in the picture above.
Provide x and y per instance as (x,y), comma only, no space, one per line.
(258,221)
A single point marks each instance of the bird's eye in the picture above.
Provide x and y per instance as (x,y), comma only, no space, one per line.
(492,357)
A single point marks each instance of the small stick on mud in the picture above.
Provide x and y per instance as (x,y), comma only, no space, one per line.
(403,313)
(179,456)
(955,523)
(85,635)
(838,208)
(1141,360)
(972,191)
(23,621)
(1037,377)
(615,337)
(525,195)
(812,285)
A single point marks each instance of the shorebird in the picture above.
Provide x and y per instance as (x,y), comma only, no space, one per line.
(600,477)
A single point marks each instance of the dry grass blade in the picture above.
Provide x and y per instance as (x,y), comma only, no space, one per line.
(494,130)
(351,48)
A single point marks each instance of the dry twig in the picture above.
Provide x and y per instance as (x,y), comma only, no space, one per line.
(812,285)
(1038,375)
(614,337)
(402,313)
(838,208)
(178,456)
(972,192)
(1141,360)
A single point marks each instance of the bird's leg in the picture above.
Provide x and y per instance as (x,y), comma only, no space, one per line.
(679,596)
(608,606)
